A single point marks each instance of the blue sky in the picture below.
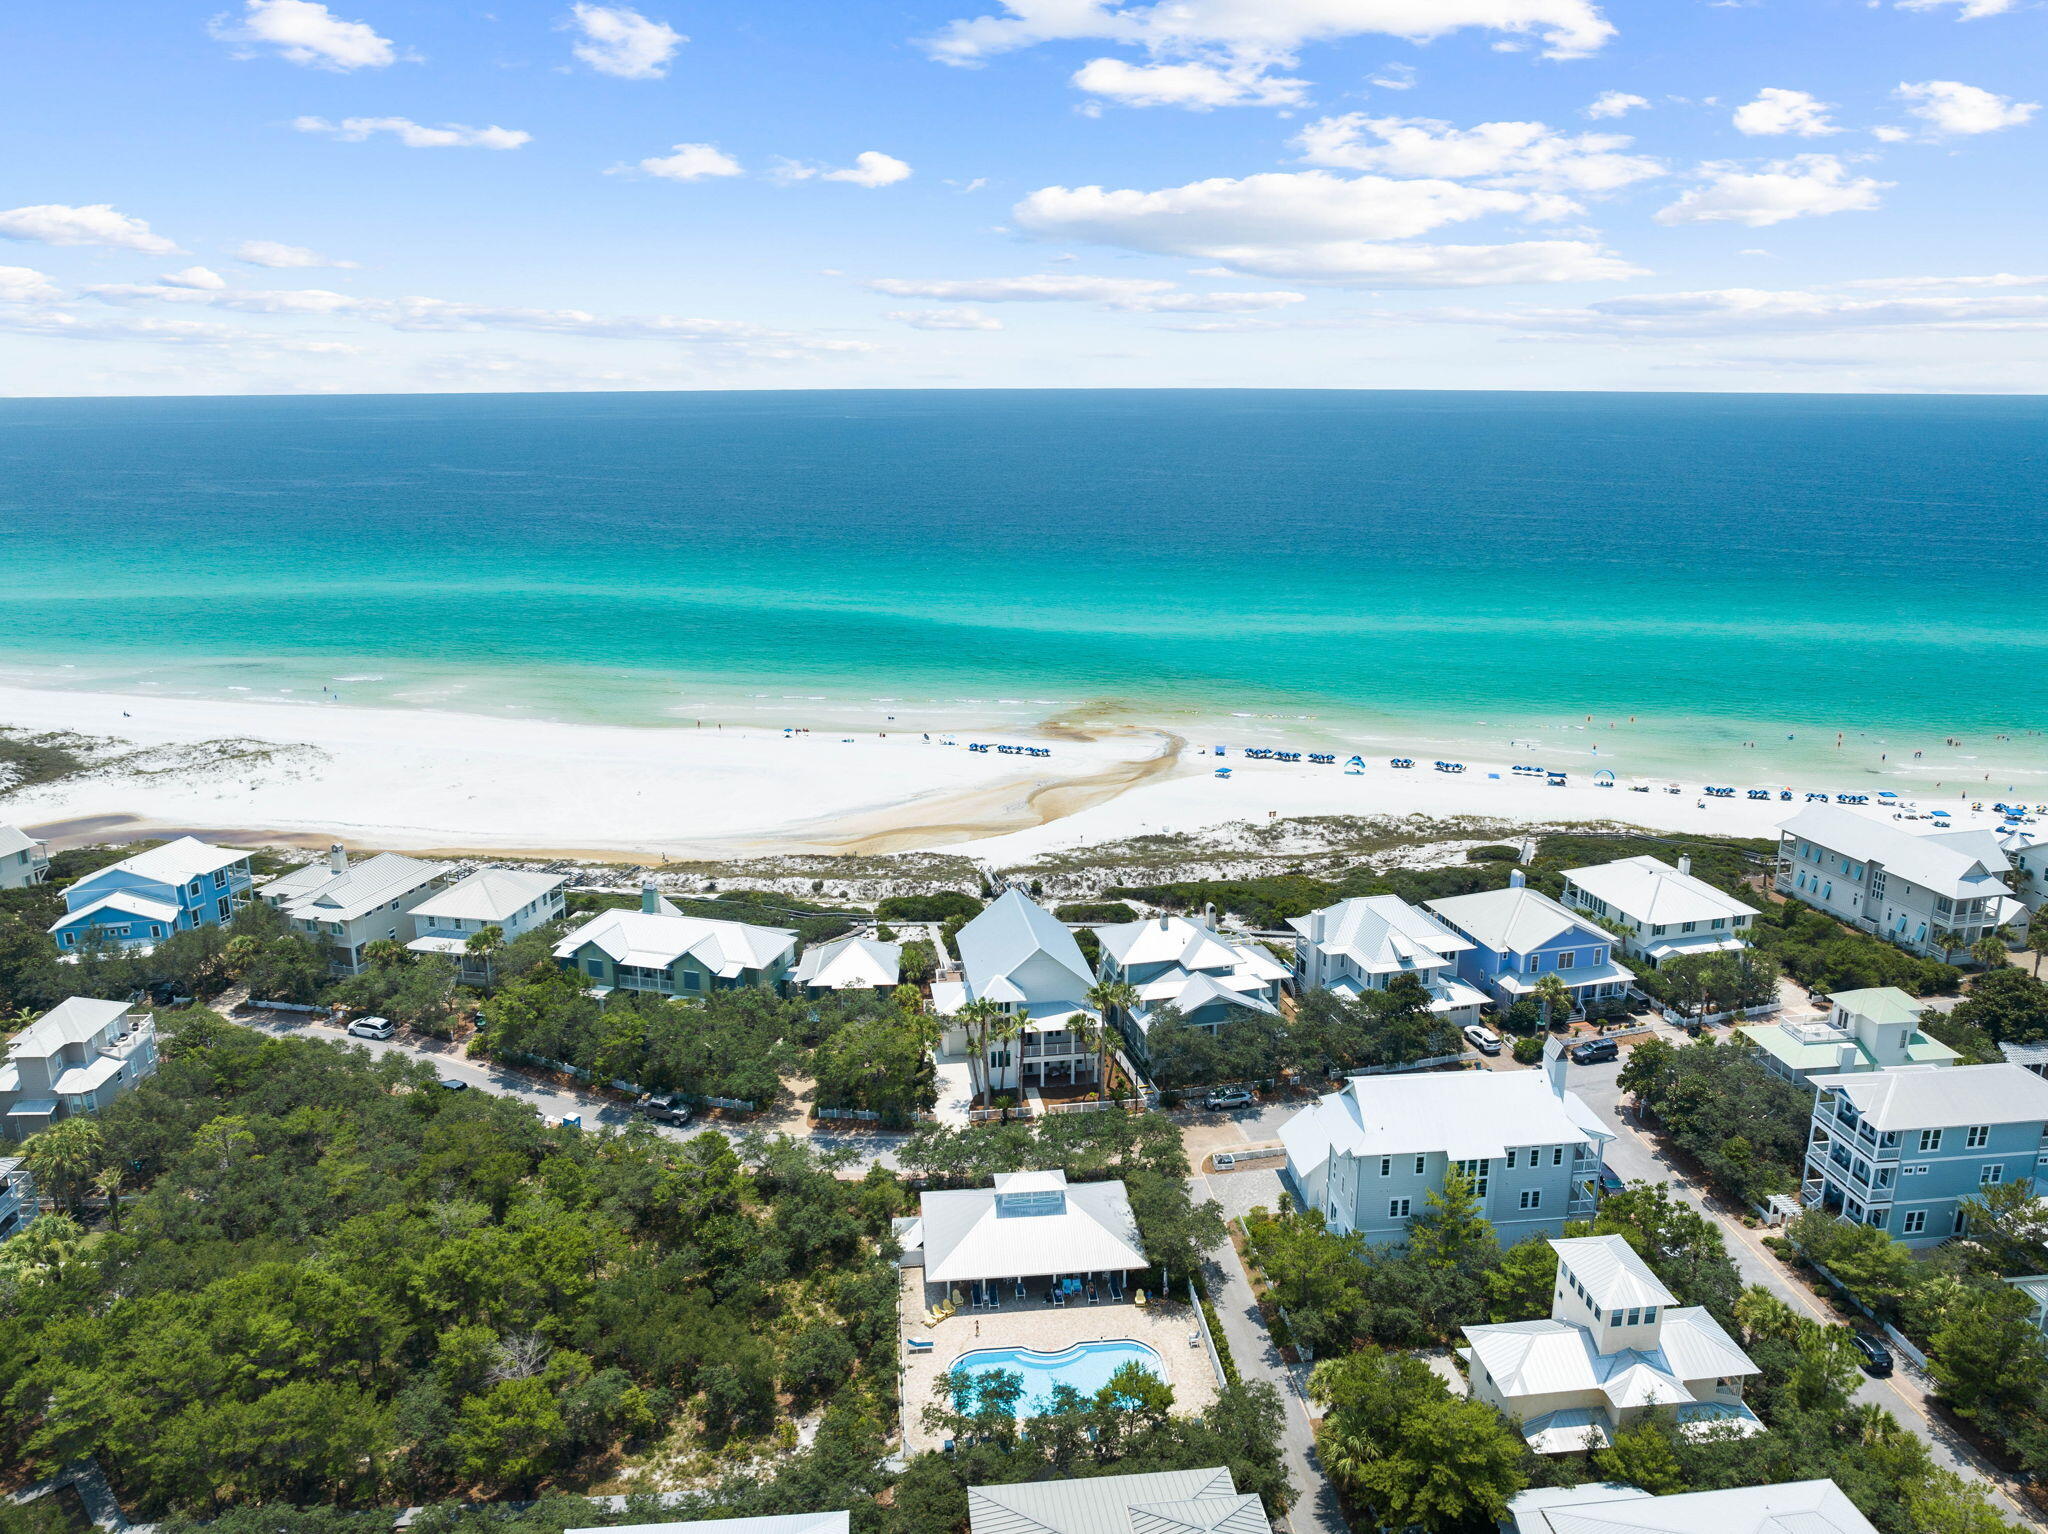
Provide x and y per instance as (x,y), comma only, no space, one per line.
(262,196)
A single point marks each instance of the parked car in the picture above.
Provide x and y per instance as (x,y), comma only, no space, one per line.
(1877,1358)
(372,1028)
(663,1108)
(1485,1040)
(1229,1097)
(1610,1184)
(454,1086)
(1593,1051)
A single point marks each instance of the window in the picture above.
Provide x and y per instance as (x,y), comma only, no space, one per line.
(1532,1198)
(194,887)
(1689,926)
(1386,1166)
(1567,960)
(220,879)
(1914,1223)
(1476,1171)
(692,981)
(1649,1314)
(1557,1155)
(1397,1209)
(1930,1139)
(594,967)
(1535,963)
(1634,1317)
(1988,1175)
(1978,1137)
(155,930)
(1599,956)
(1418,1165)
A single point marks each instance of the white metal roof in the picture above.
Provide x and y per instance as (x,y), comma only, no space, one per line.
(1166,940)
(1157,1502)
(655,940)
(1552,1357)
(1585,974)
(357,890)
(781,1523)
(13,839)
(1466,1115)
(174,862)
(489,895)
(1880,1003)
(1382,934)
(80,1020)
(1513,920)
(1926,1097)
(1016,951)
(125,903)
(1962,864)
(1086,1228)
(851,964)
(89,1077)
(1789,1507)
(1611,1273)
(1651,890)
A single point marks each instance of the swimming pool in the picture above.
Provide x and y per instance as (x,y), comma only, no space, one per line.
(1086,1366)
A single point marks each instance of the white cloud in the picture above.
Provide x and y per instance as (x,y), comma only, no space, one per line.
(55,223)
(1197,86)
(415,135)
(1507,154)
(871,168)
(25,285)
(1804,186)
(1987,280)
(1951,107)
(1394,77)
(945,319)
(1778,111)
(194,277)
(689,162)
(1313,226)
(618,40)
(1264,30)
(1972,10)
(1615,104)
(307,33)
(1890,135)
(1219,303)
(270,253)
(1138,294)
(1727,311)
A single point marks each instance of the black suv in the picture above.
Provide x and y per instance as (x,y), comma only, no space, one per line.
(663,1109)
(1877,1358)
(1593,1051)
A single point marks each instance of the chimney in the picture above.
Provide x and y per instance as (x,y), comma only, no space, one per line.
(337,858)
(1516,878)
(1685,863)
(1554,1064)
(650,899)
(1209,915)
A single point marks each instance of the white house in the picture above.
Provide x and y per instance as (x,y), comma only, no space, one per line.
(1905,880)
(1175,962)
(1875,1029)
(1017,955)
(1151,1502)
(1368,1157)
(2026,843)
(513,901)
(23,859)
(1607,1507)
(1518,935)
(1359,945)
(349,906)
(76,1058)
(849,964)
(659,950)
(1031,1232)
(1617,1345)
(1664,912)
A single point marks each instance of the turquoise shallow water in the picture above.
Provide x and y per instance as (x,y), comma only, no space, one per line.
(1459,569)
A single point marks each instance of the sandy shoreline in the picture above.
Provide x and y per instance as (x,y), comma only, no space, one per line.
(303,773)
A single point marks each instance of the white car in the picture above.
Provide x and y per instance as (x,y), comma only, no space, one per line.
(372,1028)
(1485,1040)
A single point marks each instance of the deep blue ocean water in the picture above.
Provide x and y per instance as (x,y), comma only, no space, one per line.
(1720,567)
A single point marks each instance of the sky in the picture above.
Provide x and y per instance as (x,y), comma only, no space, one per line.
(395,196)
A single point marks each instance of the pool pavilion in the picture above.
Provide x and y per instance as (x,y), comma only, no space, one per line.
(1033,1238)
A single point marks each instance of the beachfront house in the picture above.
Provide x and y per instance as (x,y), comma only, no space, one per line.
(849,964)
(1663,912)
(1032,1235)
(74,1059)
(513,901)
(1018,956)
(1368,1157)
(1359,945)
(1901,1149)
(23,859)
(1518,935)
(18,1204)
(1151,1502)
(143,899)
(660,951)
(1931,889)
(773,1523)
(1617,1347)
(1174,962)
(2026,844)
(1609,1507)
(1875,1029)
(348,906)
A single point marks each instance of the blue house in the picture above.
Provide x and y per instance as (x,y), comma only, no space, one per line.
(1519,935)
(142,900)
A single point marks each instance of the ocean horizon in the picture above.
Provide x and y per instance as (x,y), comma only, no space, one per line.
(1765,588)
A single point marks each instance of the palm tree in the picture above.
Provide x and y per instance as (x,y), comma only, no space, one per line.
(240,952)
(1008,1030)
(979,1016)
(1112,999)
(107,1184)
(1989,950)
(484,946)
(1948,942)
(63,1157)
(2037,943)
(1556,997)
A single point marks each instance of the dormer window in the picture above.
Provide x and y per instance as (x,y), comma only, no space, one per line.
(1649,1314)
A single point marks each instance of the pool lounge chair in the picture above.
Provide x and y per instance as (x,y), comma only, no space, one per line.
(1138,1298)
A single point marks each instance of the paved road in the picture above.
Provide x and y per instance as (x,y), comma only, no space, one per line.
(1634,1156)
(866,1147)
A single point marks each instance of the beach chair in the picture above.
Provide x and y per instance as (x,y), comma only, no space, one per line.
(918,1344)
(1138,1298)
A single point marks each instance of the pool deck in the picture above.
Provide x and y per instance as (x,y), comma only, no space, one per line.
(1043,1328)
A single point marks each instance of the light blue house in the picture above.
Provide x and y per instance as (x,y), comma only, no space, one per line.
(1172,961)
(1519,935)
(659,950)
(141,900)
(1901,1149)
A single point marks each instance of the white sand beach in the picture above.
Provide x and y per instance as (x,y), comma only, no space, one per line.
(424,780)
